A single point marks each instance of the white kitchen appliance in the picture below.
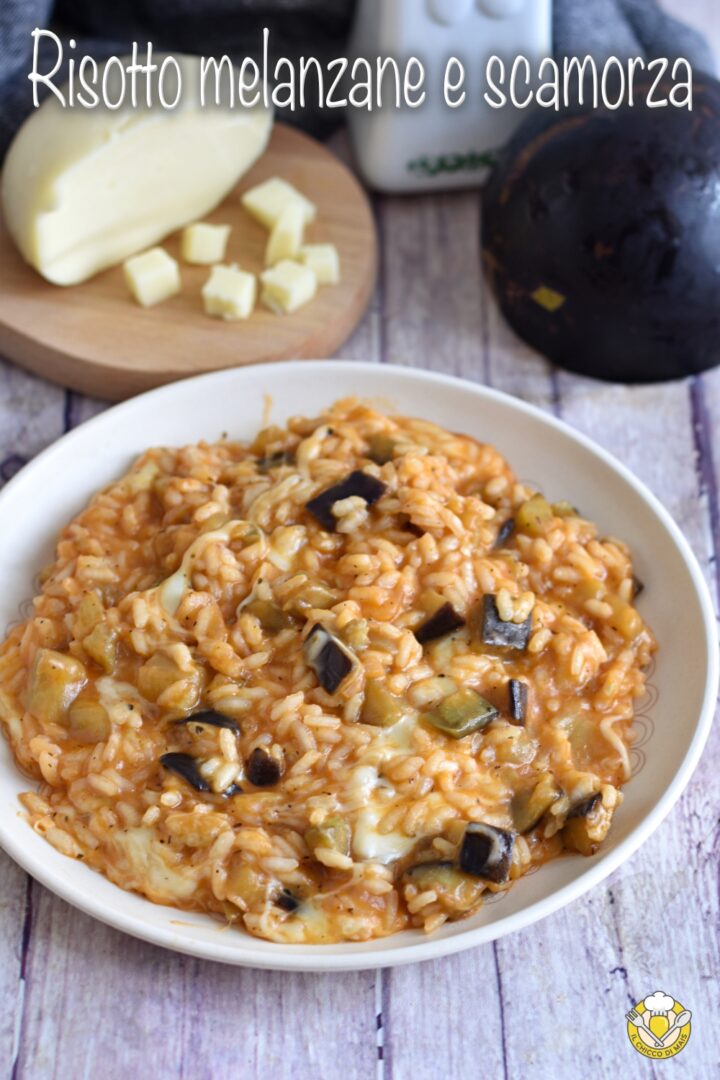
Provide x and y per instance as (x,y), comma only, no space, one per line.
(435,146)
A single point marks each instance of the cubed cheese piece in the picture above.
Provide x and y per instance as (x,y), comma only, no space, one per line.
(323,260)
(229,292)
(287,234)
(152,277)
(267,201)
(204,244)
(83,189)
(287,286)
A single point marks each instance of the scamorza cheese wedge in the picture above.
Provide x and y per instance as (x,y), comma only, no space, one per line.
(83,189)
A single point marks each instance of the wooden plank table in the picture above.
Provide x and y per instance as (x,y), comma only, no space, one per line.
(80,1000)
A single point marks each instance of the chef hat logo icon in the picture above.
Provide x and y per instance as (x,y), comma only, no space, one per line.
(659,1026)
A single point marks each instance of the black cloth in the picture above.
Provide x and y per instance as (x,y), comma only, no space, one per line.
(315,27)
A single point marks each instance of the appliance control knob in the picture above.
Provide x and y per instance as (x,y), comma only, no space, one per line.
(449,12)
(501,9)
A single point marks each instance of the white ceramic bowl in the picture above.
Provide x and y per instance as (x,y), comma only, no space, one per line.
(677,716)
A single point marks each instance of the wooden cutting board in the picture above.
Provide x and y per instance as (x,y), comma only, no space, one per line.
(94,338)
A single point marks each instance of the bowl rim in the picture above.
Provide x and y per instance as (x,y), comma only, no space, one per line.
(283,957)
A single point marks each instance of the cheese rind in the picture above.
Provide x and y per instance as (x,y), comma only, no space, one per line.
(286,237)
(323,260)
(203,244)
(83,189)
(266,201)
(229,293)
(287,286)
(152,277)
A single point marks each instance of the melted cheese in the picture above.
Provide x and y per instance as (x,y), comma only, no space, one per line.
(370,844)
(393,741)
(285,543)
(149,869)
(315,921)
(369,793)
(172,590)
(363,782)
(143,478)
(310,924)
(115,696)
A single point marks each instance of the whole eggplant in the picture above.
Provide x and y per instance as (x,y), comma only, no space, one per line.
(601,237)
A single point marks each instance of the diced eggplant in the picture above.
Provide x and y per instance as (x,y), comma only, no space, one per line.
(381,448)
(565,509)
(101,646)
(529,806)
(486,852)
(517,748)
(461,713)
(442,622)
(334,833)
(211,718)
(533,516)
(505,532)
(89,612)
(495,631)
(518,699)
(262,769)
(186,767)
(287,901)
(624,619)
(195,830)
(432,875)
(582,809)
(456,891)
(55,682)
(246,885)
(331,661)
(280,457)
(270,616)
(88,720)
(587,825)
(381,708)
(156,675)
(358,483)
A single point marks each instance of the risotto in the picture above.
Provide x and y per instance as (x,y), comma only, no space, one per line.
(349,678)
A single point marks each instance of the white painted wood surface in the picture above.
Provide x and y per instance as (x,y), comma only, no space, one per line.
(80,1000)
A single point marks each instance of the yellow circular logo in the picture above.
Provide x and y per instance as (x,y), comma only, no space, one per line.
(659,1026)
